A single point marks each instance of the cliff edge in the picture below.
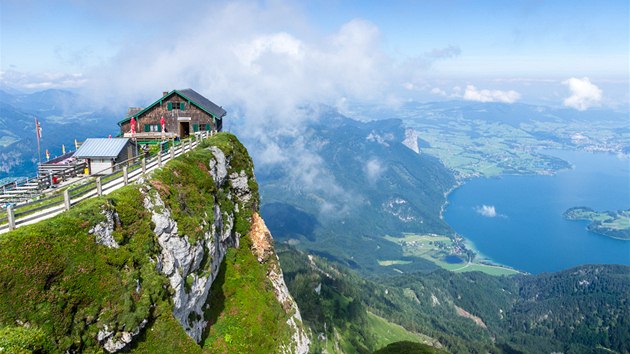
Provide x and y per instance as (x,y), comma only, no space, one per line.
(178,262)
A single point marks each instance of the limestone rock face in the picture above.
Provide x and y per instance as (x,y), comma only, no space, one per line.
(181,261)
(103,231)
(265,253)
(191,264)
(218,165)
(411,140)
(113,342)
(239,183)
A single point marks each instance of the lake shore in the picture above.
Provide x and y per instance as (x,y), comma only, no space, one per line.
(523,214)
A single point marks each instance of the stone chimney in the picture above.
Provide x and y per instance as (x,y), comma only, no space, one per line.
(164,93)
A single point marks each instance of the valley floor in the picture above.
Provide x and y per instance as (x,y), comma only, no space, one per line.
(446,252)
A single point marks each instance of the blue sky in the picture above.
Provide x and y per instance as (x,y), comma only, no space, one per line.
(331,51)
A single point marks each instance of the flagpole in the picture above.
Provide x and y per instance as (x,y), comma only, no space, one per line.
(39,150)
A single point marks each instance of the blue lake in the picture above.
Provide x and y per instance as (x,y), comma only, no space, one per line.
(517,220)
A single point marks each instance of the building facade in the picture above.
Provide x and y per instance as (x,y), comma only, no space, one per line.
(183,112)
(103,154)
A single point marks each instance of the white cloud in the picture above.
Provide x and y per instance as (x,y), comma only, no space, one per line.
(438,91)
(473,94)
(584,94)
(373,170)
(488,211)
(255,57)
(40,81)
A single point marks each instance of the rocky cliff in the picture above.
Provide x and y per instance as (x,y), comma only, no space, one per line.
(179,262)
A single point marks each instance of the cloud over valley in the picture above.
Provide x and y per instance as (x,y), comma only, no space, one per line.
(488,211)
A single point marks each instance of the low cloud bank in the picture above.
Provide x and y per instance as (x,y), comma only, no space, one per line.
(584,94)
(473,94)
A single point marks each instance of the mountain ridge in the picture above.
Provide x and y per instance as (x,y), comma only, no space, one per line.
(169,255)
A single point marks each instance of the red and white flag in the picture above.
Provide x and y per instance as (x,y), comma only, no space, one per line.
(133,126)
(162,123)
(38,130)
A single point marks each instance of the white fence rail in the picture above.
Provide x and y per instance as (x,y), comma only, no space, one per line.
(88,187)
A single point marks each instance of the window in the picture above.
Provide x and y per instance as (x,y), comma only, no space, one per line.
(176,105)
(151,128)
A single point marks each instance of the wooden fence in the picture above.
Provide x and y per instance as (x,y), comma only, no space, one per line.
(90,186)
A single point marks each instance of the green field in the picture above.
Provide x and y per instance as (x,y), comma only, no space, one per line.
(615,224)
(436,248)
(489,144)
(494,149)
(387,332)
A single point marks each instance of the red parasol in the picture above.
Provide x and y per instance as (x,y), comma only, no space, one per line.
(133,125)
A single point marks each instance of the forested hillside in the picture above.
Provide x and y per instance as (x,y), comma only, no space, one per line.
(580,310)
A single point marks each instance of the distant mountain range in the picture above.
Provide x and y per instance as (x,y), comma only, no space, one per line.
(64,116)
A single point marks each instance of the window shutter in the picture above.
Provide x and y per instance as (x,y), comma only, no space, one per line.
(182,106)
(147,128)
(169,106)
(195,127)
(207,126)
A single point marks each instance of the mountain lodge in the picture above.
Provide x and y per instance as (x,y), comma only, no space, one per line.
(179,113)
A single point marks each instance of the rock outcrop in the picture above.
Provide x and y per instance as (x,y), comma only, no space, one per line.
(411,140)
(153,261)
(191,267)
(265,253)
(104,231)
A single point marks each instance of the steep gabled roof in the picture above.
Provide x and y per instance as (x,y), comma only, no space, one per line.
(97,147)
(190,95)
(202,102)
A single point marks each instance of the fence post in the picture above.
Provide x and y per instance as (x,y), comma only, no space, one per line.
(190,144)
(144,165)
(173,152)
(160,159)
(66,199)
(11,217)
(125,175)
(99,186)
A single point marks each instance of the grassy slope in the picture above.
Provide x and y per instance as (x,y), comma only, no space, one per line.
(54,277)
(244,313)
(387,332)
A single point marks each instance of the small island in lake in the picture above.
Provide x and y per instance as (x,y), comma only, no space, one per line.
(614,224)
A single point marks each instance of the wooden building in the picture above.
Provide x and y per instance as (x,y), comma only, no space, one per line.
(184,112)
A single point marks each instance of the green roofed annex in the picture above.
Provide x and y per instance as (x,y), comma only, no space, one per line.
(178,113)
